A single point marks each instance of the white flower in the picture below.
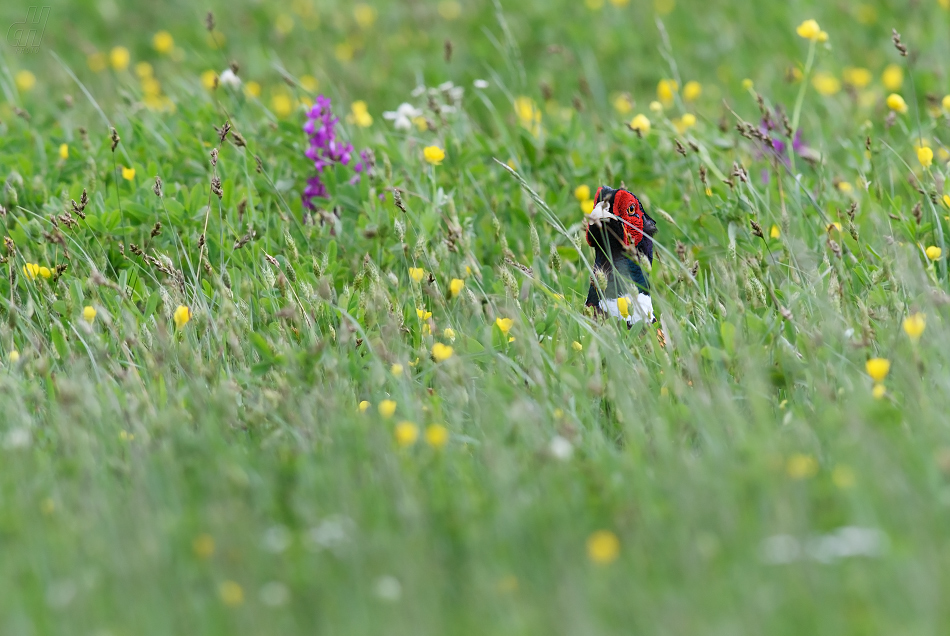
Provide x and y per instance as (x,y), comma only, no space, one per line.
(276,539)
(388,588)
(274,594)
(228,78)
(480,83)
(334,532)
(843,543)
(560,448)
(17,438)
(418,90)
(453,92)
(402,116)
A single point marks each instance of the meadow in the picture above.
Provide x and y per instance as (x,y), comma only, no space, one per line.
(293,336)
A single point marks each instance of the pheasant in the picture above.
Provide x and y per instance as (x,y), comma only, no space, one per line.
(621,232)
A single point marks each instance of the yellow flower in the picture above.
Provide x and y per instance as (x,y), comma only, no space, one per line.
(281,104)
(822,36)
(25,81)
(209,79)
(504,324)
(416,273)
(96,62)
(441,352)
(181,316)
(450,9)
(577,346)
(857,77)
(437,435)
(363,406)
(775,232)
(284,24)
(119,58)
(456,286)
(359,115)
(603,547)
(31,270)
(623,306)
(914,325)
(529,115)
(747,84)
(809,30)
(587,206)
(641,123)
(656,107)
(163,42)
(826,83)
(433,155)
(423,314)
(422,124)
(310,83)
(203,546)
(365,15)
(665,91)
(933,252)
(878,368)
(692,90)
(801,466)
(893,77)
(878,391)
(843,477)
(231,593)
(946,200)
(685,122)
(343,51)
(867,14)
(128,173)
(925,156)
(896,102)
(151,87)
(89,313)
(396,369)
(406,433)
(449,333)
(623,104)
(64,151)
(143,70)
(14,356)
(582,192)
(45,272)
(253,89)
(387,408)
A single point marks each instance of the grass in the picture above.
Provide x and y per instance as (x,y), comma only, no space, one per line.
(221,475)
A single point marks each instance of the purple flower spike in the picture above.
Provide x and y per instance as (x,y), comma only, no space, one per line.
(324,150)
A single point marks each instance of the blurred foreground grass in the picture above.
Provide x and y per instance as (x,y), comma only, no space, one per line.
(226,414)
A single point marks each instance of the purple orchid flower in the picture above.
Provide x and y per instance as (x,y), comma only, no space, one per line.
(325,149)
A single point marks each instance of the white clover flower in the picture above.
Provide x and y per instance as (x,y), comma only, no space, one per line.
(418,90)
(228,78)
(480,83)
(402,117)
